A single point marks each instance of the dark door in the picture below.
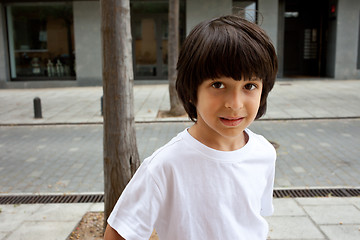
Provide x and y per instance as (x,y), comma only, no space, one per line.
(304,37)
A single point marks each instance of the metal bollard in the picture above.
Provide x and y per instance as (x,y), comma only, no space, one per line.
(37,108)
(102,105)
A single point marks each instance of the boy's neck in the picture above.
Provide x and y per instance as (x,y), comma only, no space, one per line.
(215,141)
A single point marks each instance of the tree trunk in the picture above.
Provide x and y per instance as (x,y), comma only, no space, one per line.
(121,157)
(176,108)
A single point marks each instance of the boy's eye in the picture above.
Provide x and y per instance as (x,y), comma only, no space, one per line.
(250,86)
(217,85)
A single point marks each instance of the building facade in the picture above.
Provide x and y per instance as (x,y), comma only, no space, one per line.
(58,43)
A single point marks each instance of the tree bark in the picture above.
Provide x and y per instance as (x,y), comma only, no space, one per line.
(121,158)
(176,108)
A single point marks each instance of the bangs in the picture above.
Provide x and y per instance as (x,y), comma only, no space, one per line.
(228,50)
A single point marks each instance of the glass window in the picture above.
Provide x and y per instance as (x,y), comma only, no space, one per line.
(41,40)
(245,9)
(358,53)
(150,37)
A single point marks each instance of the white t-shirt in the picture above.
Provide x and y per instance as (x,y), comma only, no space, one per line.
(186,190)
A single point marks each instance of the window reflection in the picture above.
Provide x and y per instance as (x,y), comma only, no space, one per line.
(245,9)
(41,40)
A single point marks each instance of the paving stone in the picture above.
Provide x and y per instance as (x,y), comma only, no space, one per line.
(346,232)
(324,201)
(11,216)
(355,201)
(32,230)
(97,207)
(333,214)
(64,212)
(299,227)
(287,207)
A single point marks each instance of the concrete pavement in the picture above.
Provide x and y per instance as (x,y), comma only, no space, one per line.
(298,218)
(288,100)
(42,221)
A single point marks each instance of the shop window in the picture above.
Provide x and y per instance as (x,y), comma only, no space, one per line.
(41,41)
(150,37)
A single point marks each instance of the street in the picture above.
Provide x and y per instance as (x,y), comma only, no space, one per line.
(68,158)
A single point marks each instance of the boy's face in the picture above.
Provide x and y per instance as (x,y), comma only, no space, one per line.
(226,107)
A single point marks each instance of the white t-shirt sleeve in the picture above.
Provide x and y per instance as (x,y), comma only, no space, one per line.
(269,156)
(267,207)
(136,211)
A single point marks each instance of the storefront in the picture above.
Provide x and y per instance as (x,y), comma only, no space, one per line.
(40,41)
(53,43)
(58,43)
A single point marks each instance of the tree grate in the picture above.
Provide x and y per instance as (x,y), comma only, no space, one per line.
(99,198)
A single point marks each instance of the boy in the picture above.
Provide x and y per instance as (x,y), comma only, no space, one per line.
(215,179)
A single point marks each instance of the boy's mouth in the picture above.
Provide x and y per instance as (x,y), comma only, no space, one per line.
(232,122)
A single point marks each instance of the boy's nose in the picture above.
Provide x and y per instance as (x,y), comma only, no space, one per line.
(234,100)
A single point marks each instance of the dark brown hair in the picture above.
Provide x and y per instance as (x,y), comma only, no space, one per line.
(227,46)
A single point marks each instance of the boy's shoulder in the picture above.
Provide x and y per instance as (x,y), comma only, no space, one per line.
(259,141)
(172,149)
(258,138)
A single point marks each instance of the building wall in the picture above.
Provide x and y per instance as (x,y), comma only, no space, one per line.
(331,43)
(268,15)
(3,49)
(347,38)
(197,11)
(200,10)
(87,31)
(268,18)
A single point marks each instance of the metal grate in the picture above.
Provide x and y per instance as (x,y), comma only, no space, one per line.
(98,198)
(33,199)
(322,192)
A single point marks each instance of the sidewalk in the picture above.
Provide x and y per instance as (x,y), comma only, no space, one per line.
(297,218)
(288,100)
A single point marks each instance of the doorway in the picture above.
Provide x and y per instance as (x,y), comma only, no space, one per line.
(150,40)
(149,24)
(305,27)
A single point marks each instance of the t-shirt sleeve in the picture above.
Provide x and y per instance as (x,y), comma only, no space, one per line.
(267,207)
(137,209)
